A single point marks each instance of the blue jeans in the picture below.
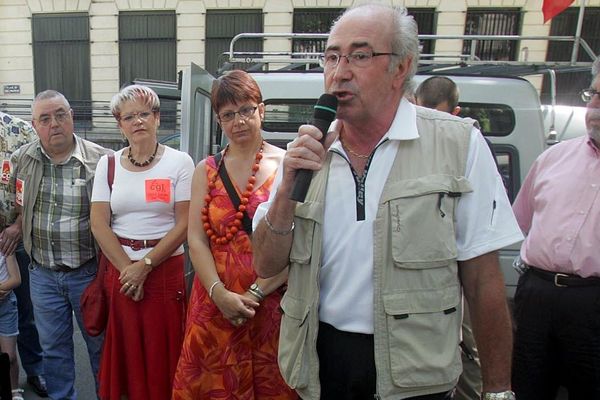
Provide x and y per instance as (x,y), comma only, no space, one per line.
(55,297)
(28,340)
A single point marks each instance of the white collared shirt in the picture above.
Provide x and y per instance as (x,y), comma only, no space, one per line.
(346,278)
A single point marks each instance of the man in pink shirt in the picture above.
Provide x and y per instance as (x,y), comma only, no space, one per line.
(557,303)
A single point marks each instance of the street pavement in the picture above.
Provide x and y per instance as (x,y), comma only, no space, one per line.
(84,380)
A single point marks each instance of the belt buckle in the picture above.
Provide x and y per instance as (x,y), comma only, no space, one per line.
(558,275)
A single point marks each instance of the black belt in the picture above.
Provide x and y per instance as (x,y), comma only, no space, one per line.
(564,280)
(66,268)
(62,268)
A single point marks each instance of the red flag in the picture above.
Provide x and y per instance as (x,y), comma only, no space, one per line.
(552,8)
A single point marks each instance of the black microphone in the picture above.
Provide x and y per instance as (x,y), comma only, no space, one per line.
(323,115)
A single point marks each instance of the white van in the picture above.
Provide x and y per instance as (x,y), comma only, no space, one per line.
(569,121)
(507,107)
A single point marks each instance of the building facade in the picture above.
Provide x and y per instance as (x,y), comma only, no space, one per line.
(89,48)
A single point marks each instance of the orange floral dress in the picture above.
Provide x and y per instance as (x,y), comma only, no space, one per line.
(218,360)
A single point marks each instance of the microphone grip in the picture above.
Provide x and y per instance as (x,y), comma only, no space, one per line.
(304,176)
(301,185)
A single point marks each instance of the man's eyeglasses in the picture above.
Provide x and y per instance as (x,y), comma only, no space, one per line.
(131,118)
(244,112)
(60,117)
(588,94)
(360,58)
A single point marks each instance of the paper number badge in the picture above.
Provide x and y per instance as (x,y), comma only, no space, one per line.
(158,190)
(20,188)
(5,172)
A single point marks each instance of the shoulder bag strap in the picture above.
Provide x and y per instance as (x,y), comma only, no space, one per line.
(233,196)
(111,171)
(110,176)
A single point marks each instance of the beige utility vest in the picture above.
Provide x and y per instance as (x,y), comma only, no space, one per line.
(417,294)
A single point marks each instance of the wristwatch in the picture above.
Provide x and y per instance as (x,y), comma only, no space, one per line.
(506,395)
(148,262)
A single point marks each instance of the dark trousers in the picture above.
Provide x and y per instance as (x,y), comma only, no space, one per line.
(30,351)
(347,366)
(557,340)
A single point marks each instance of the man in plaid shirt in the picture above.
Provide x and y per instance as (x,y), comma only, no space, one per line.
(52,181)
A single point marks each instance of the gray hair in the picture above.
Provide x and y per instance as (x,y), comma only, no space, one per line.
(49,94)
(134,93)
(405,39)
(596,68)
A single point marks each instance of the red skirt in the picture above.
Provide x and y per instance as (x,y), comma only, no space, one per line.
(143,339)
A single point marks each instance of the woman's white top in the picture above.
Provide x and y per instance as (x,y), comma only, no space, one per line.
(143,203)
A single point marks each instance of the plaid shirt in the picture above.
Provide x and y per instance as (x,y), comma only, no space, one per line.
(61,233)
(14,133)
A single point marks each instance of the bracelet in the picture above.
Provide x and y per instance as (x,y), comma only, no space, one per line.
(276,231)
(257,292)
(212,287)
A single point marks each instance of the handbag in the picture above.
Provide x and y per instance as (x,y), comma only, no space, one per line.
(94,300)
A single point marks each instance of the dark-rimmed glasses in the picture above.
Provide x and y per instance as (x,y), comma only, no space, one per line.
(359,58)
(244,113)
(588,94)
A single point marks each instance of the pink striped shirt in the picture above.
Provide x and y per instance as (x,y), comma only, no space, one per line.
(558,208)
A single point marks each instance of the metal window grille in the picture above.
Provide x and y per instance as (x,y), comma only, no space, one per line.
(320,21)
(147,45)
(148,50)
(489,21)
(568,85)
(61,58)
(222,26)
(313,21)
(426,22)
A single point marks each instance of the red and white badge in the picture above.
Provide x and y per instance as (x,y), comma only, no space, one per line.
(158,190)
(19,188)
(5,172)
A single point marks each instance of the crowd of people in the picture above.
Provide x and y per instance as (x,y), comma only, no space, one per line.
(358,292)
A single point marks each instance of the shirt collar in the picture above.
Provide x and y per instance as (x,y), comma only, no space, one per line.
(593,145)
(75,153)
(404,125)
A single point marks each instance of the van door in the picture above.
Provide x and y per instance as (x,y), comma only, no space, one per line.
(198,127)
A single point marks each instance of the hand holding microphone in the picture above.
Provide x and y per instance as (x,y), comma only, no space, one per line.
(323,116)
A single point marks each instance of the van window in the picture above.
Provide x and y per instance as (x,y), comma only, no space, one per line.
(286,115)
(507,158)
(494,119)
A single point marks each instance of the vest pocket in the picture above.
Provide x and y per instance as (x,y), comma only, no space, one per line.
(423,336)
(307,215)
(293,342)
(422,220)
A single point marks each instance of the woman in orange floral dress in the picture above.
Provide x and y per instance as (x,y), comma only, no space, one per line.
(231,338)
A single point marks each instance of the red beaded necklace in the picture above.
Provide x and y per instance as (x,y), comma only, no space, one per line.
(234,226)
